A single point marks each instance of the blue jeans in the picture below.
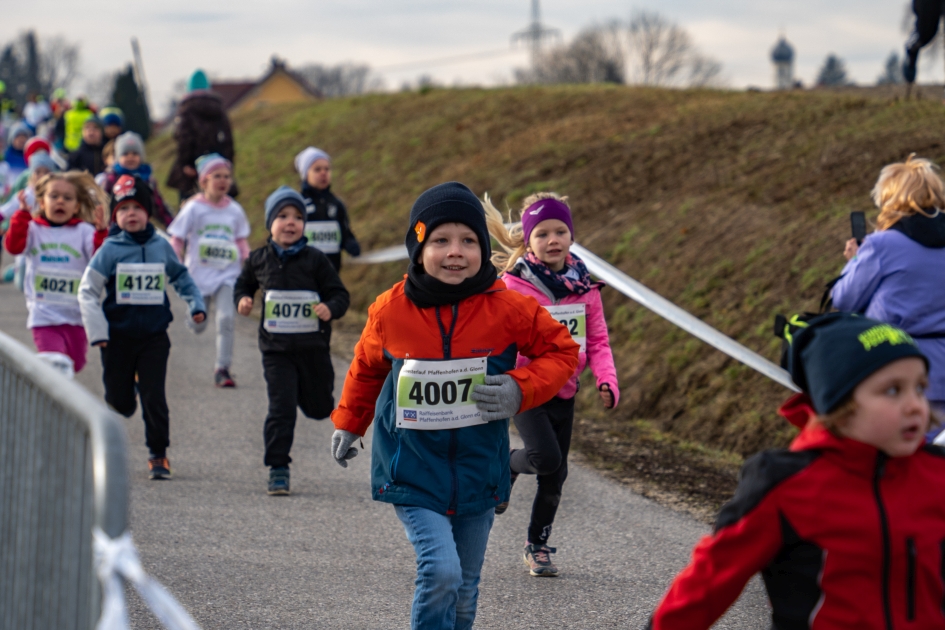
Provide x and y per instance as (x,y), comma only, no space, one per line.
(450,551)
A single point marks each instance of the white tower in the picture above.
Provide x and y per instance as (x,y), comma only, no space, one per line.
(783,58)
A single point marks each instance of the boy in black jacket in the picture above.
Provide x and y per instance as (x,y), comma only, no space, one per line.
(88,157)
(326,222)
(302,293)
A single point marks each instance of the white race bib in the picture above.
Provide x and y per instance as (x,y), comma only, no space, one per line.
(290,311)
(141,284)
(438,394)
(217,252)
(57,286)
(573,318)
(324,236)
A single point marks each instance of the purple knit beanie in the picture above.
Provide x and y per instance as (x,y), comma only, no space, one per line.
(545,209)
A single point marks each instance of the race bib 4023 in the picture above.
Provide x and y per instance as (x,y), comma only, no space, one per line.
(141,284)
(290,311)
(217,253)
(438,394)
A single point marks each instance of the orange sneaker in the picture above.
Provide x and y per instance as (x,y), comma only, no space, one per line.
(159,468)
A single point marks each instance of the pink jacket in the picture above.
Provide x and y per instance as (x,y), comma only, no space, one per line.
(598,356)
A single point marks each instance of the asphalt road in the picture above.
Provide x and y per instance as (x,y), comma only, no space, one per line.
(328,556)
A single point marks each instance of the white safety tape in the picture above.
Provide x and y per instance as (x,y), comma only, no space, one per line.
(647,298)
(117,558)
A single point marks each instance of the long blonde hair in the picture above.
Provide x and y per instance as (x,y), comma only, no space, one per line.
(511,239)
(907,188)
(87,193)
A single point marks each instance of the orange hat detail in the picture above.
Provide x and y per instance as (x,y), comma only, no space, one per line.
(421,230)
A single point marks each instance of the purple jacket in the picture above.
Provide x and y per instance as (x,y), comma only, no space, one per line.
(896,280)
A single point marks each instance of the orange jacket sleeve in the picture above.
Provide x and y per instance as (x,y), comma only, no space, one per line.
(17,235)
(553,355)
(365,379)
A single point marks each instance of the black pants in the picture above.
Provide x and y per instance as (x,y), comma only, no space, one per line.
(303,379)
(122,359)
(928,13)
(546,431)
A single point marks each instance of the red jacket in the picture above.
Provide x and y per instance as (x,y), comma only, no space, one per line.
(843,535)
(16,237)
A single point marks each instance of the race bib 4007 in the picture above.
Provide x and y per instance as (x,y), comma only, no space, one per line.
(438,394)
(140,284)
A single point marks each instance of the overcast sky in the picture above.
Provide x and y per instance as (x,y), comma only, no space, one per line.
(235,39)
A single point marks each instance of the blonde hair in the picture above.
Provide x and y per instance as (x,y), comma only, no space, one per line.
(907,188)
(511,239)
(87,193)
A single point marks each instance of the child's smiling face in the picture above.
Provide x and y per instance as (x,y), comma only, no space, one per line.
(60,202)
(451,253)
(287,227)
(892,412)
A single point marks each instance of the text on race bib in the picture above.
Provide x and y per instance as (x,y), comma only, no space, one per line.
(290,311)
(324,236)
(217,252)
(572,317)
(140,284)
(435,395)
(59,286)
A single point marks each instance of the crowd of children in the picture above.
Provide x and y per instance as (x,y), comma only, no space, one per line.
(850,508)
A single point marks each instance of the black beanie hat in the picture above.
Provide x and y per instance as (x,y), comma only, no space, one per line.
(132,187)
(451,202)
(834,353)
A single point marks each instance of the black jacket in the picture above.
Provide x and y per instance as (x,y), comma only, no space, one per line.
(323,205)
(308,270)
(87,158)
(201,126)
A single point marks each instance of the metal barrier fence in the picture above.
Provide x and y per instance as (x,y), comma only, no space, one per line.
(63,471)
(645,297)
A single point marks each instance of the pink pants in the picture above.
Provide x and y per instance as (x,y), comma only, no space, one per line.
(68,339)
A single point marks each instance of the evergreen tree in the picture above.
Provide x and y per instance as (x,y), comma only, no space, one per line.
(833,72)
(892,71)
(127,97)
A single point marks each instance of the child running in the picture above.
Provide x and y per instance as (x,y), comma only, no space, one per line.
(129,159)
(537,262)
(436,364)
(326,222)
(302,294)
(57,244)
(213,228)
(132,270)
(846,527)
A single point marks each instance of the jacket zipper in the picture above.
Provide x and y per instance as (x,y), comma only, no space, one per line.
(447,339)
(910,578)
(884,524)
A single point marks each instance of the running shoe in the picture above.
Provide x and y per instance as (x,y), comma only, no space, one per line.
(502,507)
(222,378)
(279,481)
(159,468)
(538,560)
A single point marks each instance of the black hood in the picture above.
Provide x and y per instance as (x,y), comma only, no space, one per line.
(928,232)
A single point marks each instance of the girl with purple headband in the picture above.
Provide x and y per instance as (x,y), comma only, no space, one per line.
(537,261)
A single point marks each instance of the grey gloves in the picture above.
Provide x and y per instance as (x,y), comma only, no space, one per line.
(341,448)
(499,398)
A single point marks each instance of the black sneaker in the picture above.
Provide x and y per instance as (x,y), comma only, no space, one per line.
(159,468)
(502,507)
(279,481)
(538,560)
(222,378)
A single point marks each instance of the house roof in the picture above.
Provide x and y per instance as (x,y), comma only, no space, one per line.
(233,92)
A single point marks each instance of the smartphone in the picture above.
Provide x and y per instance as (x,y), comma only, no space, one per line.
(858,225)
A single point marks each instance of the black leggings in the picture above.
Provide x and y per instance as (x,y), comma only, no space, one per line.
(928,13)
(546,431)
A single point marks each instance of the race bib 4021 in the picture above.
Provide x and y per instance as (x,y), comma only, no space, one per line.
(59,286)
(438,394)
(141,284)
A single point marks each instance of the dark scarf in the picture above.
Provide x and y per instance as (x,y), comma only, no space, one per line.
(426,291)
(142,236)
(928,232)
(284,252)
(557,282)
(143,171)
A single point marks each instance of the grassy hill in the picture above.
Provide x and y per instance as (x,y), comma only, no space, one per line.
(732,204)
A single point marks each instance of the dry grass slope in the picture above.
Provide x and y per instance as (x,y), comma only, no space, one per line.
(733,205)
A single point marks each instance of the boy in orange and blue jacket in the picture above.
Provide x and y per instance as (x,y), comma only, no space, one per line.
(437,356)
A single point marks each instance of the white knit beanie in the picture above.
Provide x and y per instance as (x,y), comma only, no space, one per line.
(305,159)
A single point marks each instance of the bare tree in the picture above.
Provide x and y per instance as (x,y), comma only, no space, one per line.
(58,63)
(345,79)
(703,71)
(596,55)
(660,48)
